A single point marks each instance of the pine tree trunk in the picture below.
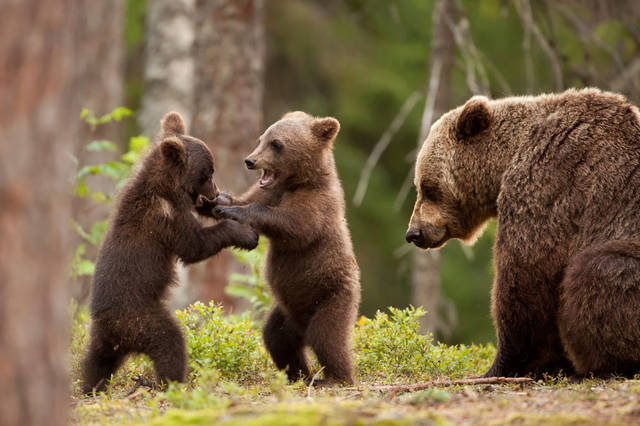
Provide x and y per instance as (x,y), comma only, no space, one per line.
(38,132)
(229,68)
(426,265)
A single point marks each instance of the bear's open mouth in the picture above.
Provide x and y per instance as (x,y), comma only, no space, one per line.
(267,178)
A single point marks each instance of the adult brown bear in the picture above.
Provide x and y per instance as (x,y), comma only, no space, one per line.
(561,173)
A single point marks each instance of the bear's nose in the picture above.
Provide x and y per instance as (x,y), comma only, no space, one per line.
(413,235)
(249,163)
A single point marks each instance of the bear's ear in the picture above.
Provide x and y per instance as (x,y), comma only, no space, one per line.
(173,152)
(474,118)
(326,128)
(172,124)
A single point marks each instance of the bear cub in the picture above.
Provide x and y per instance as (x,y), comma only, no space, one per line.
(298,204)
(561,173)
(153,226)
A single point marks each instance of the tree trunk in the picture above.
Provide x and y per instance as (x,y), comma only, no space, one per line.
(169,68)
(229,68)
(169,85)
(38,132)
(426,267)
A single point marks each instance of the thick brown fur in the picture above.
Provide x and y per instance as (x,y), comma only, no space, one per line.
(153,226)
(310,266)
(561,174)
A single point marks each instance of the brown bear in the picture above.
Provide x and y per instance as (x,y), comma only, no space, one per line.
(153,226)
(561,173)
(298,203)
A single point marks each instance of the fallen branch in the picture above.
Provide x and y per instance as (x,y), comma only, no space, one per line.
(394,389)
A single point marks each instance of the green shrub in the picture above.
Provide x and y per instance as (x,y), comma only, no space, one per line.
(390,348)
(231,344)
(116,171)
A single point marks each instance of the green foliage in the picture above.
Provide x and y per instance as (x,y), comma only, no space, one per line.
(116,171)
(232,344)
(251,285)
(389,347)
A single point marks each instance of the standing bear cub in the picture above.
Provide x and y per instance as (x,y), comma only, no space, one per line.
(561,173)
(298,203)
(152,227)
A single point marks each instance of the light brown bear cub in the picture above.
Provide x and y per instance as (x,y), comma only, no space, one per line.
(298,203)
(561,173)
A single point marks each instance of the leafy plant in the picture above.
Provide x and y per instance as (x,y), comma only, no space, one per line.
(251,286)
(389,347)
(231,344)
(116,171)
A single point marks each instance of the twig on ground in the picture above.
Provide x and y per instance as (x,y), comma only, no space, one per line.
(313,379)
(394,389)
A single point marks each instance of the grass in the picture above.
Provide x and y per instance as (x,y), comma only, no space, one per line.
(233,382)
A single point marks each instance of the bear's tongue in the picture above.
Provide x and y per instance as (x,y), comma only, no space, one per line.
(266,178)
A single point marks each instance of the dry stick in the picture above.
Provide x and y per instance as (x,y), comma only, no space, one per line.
(527,20)
(461,31)
(382,144)
(588,36)
(626,76)
(442,383)
(425,124)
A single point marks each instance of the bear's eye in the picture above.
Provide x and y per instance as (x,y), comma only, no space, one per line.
(430,193)
(276,145)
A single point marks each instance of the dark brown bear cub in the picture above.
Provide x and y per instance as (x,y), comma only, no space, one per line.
(152,227)
(561,173)
(298,204)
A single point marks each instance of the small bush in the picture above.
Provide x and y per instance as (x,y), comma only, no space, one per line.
(229,344)
(390,348)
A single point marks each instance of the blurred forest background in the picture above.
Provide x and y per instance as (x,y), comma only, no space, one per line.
(385,68)
(369,63)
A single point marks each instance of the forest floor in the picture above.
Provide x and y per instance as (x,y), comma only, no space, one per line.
(591,402)
(233,382)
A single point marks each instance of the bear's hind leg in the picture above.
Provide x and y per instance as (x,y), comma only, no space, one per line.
(599,317)
(285,344)
(102,360)
(165,345)
(329,335)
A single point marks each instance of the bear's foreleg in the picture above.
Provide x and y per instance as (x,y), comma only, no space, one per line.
(600,309)
(285,344)
(523,307)
(195,243)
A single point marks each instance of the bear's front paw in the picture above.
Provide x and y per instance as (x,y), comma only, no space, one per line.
(239,214)
(224,199)
(205,206)
(245,237)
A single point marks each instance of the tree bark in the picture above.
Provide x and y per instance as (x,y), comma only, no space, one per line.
(38,134)
(426,265)
(169,85)
(229,75)
(169,67)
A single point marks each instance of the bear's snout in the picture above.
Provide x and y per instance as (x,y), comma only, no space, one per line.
(250,163)
(414,235)
(427,236)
